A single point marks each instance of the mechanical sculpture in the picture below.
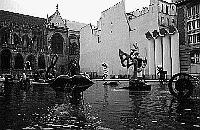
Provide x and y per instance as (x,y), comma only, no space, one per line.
(181,85)
(128,60)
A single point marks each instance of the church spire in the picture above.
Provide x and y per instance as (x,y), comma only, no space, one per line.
(57,7)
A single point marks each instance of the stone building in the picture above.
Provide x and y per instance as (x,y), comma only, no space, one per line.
(189,34)
(152,29)
(21,39)
(26,38)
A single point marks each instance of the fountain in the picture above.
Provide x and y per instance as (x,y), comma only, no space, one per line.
(135,83)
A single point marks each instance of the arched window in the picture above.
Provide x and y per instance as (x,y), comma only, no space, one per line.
(57,43)
(41,62)
(6,59)
(25,40)
(39,43)
(73,45)
(4,35)
(16,39)
(32,60)
(19,61)
(34,44)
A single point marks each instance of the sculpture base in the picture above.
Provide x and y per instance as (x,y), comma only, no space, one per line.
(138,85)
(112,83)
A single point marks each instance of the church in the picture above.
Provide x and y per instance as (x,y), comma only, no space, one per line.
(27,38)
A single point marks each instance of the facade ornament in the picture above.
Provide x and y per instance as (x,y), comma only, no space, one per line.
(172,30)
(163,32)
(155,33)
(148,35)
(57,7)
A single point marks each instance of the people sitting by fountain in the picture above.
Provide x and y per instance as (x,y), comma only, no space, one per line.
(7,87)
(75,97)
(36,76)
(24,82)
(162,74)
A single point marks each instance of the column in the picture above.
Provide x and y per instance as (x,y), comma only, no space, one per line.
(167,55)
(151,54)
(158,52)
(175,53)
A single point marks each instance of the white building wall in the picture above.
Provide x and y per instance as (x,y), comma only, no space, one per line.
(89,50)
(113,35)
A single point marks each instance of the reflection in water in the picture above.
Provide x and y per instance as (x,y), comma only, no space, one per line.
(105,95)
(134,120)
(42,108)
(186,112)
(125,109)
(99,107)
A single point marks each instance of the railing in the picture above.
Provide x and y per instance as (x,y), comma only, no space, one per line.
(95,75)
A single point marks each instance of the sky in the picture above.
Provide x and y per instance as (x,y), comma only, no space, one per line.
(83,11)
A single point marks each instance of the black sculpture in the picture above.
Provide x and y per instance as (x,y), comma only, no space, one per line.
(51,69)
(76,83)
(183,86)
(135,83)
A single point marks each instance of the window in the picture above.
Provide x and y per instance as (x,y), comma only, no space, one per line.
(162,20)
(98,39)
(198,23)
(172,8)
(196,56)
(192,58)
(198,37)
(189,12)
(173,21)
(193,10)
(193,24)
(197,60)
(190,39)
(194,38)
(189,26)
(73,46)
(197,9)
(168,21)
(166,9)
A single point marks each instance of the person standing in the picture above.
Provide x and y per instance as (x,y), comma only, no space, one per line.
(105,71)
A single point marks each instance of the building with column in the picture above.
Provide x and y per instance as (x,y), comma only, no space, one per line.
(160,46)
(188,16)
(27,38)
(152,29)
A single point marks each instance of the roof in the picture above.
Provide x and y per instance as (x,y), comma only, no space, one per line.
(182,2)
(53,15)
(76,26)
(21,18)
(56,19)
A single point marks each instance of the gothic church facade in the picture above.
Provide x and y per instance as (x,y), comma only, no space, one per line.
(26,38)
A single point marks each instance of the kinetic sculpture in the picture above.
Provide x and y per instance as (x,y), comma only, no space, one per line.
(181,86)
(138,63)
(51,67)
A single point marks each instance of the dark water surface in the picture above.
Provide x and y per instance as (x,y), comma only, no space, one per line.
(102,107)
